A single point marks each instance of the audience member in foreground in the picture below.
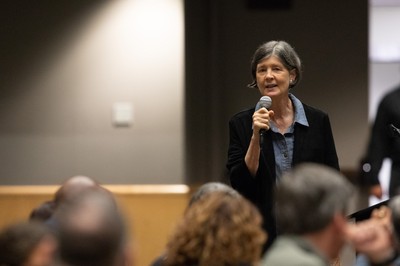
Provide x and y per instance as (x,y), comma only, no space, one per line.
(203,191)
(27,244)
(311,203)
(217,229)
(71,188)
(91,231)
(43,212)
(377,239)
(211,187)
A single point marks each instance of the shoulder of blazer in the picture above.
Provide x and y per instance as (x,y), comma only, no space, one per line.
(244,114)
(313,112)
(308,108)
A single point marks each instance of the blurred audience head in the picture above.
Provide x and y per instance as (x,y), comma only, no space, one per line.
(27,244)
(310,195)
(211,187)
(70,189)
(218,229)
(312,201)
(43,212)
(74,186)
(91,230)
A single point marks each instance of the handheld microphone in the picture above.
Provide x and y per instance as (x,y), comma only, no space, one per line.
(265,102)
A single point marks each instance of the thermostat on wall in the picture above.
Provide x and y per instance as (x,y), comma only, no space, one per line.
(122,114)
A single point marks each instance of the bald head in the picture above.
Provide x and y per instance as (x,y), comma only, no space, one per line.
(73,187)
(90,229)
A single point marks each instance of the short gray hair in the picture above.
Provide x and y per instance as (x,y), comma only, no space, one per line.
(308,196)
(284,52)
(212,187)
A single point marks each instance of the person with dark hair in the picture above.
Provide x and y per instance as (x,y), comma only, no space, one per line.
(27,244)
(217,229)
(266,143)
(91,231)
(43,212)
(311,206)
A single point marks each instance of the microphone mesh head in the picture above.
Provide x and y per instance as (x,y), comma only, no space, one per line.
(265,102)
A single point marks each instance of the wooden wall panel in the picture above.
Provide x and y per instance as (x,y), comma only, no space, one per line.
(151,212)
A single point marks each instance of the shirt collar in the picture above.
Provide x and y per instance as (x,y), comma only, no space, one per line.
(299,113)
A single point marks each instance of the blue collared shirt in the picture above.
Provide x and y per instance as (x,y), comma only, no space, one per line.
(283,143)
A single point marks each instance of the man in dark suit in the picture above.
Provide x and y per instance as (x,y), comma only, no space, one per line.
(384,143)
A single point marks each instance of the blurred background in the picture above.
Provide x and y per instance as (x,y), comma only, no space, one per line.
(141,91)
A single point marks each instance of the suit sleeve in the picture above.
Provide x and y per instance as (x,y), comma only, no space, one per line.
(378,145)
(331,158)
(239,175)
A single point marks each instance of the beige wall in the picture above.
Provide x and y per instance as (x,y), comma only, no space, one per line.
(56,105)
(64,65)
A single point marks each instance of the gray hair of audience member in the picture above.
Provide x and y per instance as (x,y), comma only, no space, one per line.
(90,230)
(211,187)
(394,205)
(282,50)
(308,197)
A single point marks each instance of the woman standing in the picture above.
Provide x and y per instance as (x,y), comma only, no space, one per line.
(294,131)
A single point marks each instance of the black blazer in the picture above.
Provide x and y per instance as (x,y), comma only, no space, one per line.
(311,144)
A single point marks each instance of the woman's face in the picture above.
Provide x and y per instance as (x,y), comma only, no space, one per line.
(273,78)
